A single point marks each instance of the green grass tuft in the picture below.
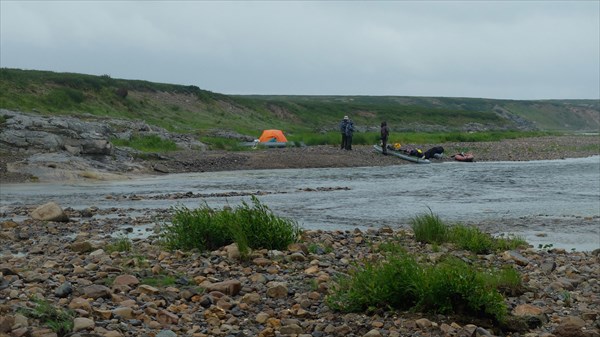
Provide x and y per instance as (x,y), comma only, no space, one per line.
(250,226)
(398,282)
(58,320)
(159,281)
(471,239)
(429,228)
(120,244)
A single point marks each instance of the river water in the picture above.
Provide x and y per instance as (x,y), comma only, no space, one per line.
(554,202)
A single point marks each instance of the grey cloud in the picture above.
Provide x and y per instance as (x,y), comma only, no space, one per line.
(520,50)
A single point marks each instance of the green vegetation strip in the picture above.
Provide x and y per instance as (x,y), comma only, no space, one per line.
(189,109)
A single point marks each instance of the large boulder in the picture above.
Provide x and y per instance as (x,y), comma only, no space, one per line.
(50,212)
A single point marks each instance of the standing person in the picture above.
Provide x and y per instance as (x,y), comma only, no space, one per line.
(385,133)
(343,124)
(349,132)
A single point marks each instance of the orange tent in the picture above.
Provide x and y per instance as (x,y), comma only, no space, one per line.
(272,136)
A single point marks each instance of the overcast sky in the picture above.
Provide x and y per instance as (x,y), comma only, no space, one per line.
(491,49)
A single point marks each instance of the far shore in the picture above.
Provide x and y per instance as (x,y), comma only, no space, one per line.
(14,167)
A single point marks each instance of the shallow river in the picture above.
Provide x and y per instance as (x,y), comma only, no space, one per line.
(553,202)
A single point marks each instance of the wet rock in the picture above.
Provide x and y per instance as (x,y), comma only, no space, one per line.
(4,284)
(6,323)
(166,333)
(50,212)
(481,332)
(123,312)
(81,304)
(515,256)
(125,280)
(527,310)
(229,287)
(81,247)
(548,267)
(424,324)
(277,289)
(373,333)
(82,323)
(64,290)
(97,291)
(291,329)
(166,317)
(8,224)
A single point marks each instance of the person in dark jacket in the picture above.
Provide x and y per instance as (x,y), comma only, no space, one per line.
(431,153)
(343,124)
(349,133)
(385,133)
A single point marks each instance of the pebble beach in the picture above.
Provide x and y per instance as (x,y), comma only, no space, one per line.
(150,291)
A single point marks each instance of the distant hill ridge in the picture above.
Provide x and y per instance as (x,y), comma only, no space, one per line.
(187,109)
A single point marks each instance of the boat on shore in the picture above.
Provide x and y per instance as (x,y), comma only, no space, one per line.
(402,155)
(257,144)
(466,157)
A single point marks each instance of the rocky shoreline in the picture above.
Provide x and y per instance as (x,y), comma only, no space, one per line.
(149,291)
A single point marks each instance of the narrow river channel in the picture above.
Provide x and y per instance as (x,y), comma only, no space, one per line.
(554,202)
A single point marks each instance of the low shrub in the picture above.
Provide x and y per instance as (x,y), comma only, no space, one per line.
(203,228)
(509,242)
(399,282)
(263,229)
(159,281)
(453,286)
(392,283)
(120,244)
(508,281)
(429,228)
(249,226)
(471,239)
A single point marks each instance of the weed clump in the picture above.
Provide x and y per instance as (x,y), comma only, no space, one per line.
(58,320)
(248,226)
(400,282)
(120,244)
(429,228)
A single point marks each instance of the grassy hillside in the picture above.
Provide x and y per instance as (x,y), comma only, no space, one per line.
(187,109)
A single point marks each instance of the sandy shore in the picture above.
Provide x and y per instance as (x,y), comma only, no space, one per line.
(539,148)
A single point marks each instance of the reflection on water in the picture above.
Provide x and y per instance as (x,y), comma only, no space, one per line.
(491,192)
